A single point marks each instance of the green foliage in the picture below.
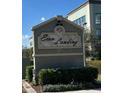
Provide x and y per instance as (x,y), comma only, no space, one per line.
(27,53)
(29,73)
(47,76)
(95,64)
(67,76)
(35,82)
(96,54)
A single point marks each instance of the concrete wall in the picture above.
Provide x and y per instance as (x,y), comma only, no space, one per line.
(65,62)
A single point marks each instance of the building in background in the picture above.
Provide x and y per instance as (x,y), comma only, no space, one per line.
(89,15)
(31,42)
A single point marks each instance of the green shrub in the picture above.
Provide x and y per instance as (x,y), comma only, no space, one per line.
(67,76)
(89,85)
(35,81)
(90,74)
(29,73)
(47,76)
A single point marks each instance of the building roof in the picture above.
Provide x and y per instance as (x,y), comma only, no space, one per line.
(54,18)
(84,4)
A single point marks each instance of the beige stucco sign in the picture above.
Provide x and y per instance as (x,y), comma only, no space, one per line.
(58,43)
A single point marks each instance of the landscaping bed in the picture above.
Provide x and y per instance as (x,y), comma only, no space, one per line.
(95,64)
(69,87)
(58,80)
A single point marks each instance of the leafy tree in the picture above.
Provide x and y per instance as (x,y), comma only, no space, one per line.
(27,53)
(94,41)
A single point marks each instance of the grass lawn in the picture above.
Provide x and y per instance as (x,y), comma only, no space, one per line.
(96,64)
(99,77)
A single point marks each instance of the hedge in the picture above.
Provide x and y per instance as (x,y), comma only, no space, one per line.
(67,76)
(47,76)
(29,73)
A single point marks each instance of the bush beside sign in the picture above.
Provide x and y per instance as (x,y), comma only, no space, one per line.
(66,76)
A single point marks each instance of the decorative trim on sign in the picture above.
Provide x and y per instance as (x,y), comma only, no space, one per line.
(58,54)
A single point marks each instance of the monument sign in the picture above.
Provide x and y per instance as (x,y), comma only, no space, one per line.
(57,44)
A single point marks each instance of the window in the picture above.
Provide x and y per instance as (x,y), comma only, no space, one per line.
(80,21)
(98,18)
(83,20)
(74,21)
(98,32)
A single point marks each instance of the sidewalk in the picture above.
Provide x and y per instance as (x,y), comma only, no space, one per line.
(28,87)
